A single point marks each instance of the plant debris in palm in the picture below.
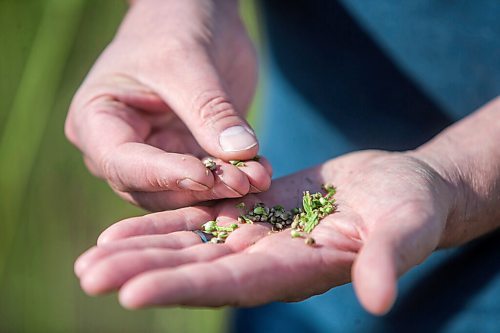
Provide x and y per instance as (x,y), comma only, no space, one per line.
(209,164)
(219,233)
(301,220)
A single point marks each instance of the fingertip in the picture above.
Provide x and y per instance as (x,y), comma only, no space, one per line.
(266,164)
(112,233)
(84,261)
(92,284)
(375,283)
(131,296)
(79,266)
(377,301)
(259,178)
(235,183)
(104,238)
(128,300)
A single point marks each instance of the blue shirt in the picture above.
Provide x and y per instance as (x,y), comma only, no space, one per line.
(356,74)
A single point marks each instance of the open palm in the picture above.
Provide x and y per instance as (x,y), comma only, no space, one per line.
(392,212)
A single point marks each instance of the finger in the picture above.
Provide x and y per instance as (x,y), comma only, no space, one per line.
(258,176)
(229,182)
(112,271)
(265,163)
(206,280)
(397,244)
(176,240)
(196,93)
(138,167)
(243,279)
(190,218)
(244,236)
(111,135)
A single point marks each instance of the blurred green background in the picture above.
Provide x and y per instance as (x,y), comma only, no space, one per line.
(51,208)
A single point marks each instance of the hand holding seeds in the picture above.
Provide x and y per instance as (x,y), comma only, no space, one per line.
(387,206)
(146,114)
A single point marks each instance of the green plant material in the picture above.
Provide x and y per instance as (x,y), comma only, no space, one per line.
(240,163)
(244,219)
(301,220)
(330,191)
(316,206)
(219,233)
(210,164)
(259,210)
(209,227)
(237,163)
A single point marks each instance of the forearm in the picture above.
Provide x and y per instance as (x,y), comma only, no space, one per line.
(467,155)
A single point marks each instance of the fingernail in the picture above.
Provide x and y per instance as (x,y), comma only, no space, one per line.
(189,184)
(236,138)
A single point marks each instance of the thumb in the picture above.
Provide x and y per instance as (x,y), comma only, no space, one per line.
(396,245)
(198,95)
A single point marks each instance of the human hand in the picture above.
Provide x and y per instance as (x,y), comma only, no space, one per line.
(171,88)
(392,213)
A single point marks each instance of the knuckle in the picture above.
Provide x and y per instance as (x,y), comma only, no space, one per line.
(157,183)
(91,167)
(110,173)
(213,106)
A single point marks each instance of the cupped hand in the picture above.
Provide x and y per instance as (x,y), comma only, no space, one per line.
(392,213)
(172,88)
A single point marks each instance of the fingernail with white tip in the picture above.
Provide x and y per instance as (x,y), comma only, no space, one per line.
(236,138)
(189,184)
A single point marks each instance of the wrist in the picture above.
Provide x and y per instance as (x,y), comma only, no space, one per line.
(467,157)
(451,189)
(186,19)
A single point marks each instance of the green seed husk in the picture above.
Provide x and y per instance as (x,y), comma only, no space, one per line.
(237,163)
(210,164)
(309,241)
(219,233)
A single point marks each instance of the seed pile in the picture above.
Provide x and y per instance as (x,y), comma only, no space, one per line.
(300,220)
(277,216)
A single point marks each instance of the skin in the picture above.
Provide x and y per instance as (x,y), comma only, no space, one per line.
(394,210)
(176,75)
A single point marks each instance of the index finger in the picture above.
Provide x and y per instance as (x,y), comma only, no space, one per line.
(287,270)
(111,135)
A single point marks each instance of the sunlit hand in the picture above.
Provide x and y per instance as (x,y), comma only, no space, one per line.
(173,87)
(392,213)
